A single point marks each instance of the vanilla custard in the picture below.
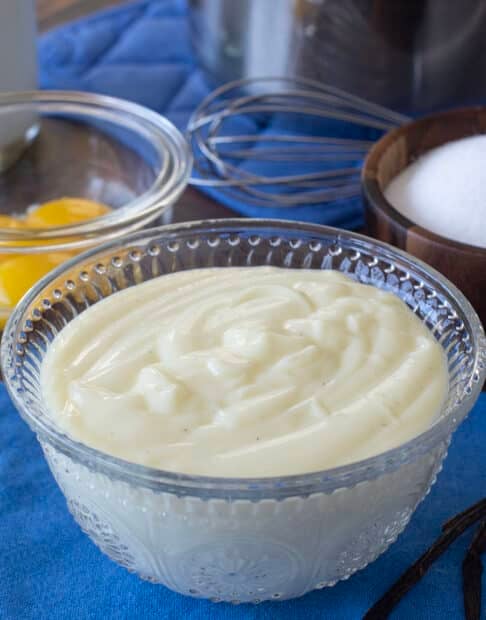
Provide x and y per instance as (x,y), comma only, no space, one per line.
(245,372)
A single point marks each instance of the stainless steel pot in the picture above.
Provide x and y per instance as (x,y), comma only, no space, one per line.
(407,54)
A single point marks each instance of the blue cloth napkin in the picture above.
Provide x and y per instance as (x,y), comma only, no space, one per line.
(141,51)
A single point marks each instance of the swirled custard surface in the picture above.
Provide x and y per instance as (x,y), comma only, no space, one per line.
(255,371)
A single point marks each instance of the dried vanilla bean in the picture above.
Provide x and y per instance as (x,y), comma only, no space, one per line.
(452,529)
(472,570)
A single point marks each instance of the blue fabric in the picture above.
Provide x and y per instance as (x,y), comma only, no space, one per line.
(141,51)
(50,569)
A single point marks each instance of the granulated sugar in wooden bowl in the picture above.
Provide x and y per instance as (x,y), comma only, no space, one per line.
(424,188)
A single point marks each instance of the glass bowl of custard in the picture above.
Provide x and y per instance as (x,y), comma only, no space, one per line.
(77,169)
(230,537)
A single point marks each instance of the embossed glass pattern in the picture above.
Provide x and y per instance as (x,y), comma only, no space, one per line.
(242,539)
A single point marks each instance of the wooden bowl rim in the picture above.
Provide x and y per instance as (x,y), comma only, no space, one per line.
(376,197)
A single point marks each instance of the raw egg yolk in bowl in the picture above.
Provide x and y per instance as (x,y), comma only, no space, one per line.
(18,272)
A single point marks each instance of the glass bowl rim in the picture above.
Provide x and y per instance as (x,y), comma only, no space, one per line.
(170,181)
(327,480)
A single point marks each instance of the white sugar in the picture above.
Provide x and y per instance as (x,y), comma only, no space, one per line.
(445,191)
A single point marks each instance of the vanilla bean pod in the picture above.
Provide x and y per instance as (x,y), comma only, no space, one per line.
(452,529)
(472,570)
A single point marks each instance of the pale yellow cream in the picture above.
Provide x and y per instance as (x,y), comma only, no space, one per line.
(245,372)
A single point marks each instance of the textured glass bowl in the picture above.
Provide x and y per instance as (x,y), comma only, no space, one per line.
(235,539)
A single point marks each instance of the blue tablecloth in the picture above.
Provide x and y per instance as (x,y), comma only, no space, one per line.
(48,568)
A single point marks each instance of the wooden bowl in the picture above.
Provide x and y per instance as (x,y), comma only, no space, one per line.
(463,264)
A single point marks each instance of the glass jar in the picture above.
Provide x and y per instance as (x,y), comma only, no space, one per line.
(82,146)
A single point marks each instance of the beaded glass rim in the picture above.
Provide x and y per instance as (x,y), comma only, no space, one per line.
(211,233)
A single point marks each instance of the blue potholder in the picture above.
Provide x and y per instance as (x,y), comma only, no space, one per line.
(142,51)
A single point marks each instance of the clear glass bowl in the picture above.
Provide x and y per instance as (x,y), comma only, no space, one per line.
(57,144)
(242,539)
(88,146)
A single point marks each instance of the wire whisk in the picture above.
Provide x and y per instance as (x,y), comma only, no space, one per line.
(291,150)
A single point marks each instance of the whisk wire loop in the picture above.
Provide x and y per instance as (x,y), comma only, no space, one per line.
(283,164)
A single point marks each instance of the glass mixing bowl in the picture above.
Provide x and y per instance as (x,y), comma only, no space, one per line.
(79,145)
(242,539)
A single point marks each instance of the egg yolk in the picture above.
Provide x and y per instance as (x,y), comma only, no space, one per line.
(7,221)
(64,212)
(19,272)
